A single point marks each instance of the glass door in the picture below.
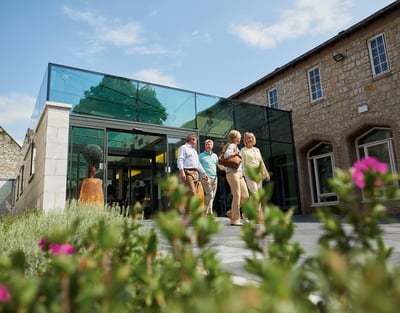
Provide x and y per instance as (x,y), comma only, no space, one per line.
(135,162)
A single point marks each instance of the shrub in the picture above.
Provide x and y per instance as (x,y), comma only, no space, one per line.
(93,154)
(90,261)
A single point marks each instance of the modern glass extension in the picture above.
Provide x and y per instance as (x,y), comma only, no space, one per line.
(140,126)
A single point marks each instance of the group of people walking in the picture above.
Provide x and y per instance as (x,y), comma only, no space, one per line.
(199,171)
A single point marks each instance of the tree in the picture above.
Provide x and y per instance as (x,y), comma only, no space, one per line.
(93,155)
(120,98)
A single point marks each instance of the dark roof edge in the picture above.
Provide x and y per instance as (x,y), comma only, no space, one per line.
(372,18)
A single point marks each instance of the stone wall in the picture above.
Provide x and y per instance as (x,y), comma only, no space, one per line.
(10,156)
(346,86)
(44,179)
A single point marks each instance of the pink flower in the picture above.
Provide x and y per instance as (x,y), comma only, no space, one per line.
(5,295)
(43,243)
(364,165)
(63,249)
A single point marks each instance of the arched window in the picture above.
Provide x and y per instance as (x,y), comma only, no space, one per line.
(377,142)
(321,167)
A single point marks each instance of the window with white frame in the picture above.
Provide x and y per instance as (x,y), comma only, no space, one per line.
(273,98)
(314,81)
(321,168)
(377,142)
(378,55)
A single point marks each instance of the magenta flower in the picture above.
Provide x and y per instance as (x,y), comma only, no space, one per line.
(364,165)
(43,244)
(5,295)
(63,249)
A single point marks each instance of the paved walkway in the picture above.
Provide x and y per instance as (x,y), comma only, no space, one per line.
(232,251)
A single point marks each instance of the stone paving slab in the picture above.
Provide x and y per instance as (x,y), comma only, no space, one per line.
(232,252)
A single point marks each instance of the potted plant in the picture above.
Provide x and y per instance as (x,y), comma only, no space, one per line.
(93,155)
(92,188)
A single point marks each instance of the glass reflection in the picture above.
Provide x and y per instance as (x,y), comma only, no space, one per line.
(117,98)
(77,166)
(178,105)
(214,117)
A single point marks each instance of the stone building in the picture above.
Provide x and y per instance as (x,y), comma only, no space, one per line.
(10,162)
(10,156)
(139,128)
(344,97)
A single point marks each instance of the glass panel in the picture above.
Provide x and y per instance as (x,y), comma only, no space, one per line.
(321,149)
(283,172)
(313,177)
(273,98)
(111,98)
(378,55)
(279,126)
(375,135)
(135,162)
(315,84)
(214,117)
(68,85)
(174,107)
(361,152)
(40,102)
(173,145)
(77,167)
(321,171)
(324,169)
(381,152)
(150,108)
(252,118)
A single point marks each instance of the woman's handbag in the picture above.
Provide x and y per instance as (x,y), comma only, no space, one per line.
(232,162)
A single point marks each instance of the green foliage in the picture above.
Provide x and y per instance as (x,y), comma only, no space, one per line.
(93,154)
(127,101)
(124,264)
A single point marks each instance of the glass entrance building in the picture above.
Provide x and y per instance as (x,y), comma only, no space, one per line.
(140,126)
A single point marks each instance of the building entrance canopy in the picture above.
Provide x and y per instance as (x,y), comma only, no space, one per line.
(119,105)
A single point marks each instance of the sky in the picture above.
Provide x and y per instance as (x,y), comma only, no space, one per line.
(215,47)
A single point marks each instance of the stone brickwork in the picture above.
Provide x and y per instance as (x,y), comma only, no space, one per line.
(346,85)
(45,189)
(10,156)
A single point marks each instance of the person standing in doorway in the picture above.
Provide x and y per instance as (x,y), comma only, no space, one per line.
(209,161)
(252,158)
(235,178)
(190,168)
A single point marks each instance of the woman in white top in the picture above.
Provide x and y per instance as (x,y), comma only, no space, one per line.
(235,178)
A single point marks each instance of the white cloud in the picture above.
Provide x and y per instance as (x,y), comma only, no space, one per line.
(306,17)
(105,32)
(88,17)
(155,76)
(124,35)
(201,35)
(15,114)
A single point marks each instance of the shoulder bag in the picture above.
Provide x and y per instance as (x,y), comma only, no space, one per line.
(232,162)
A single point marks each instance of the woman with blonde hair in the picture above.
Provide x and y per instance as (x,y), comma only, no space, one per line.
(235,178)
(252,158)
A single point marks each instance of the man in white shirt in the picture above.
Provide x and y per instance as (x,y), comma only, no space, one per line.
(190,169)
